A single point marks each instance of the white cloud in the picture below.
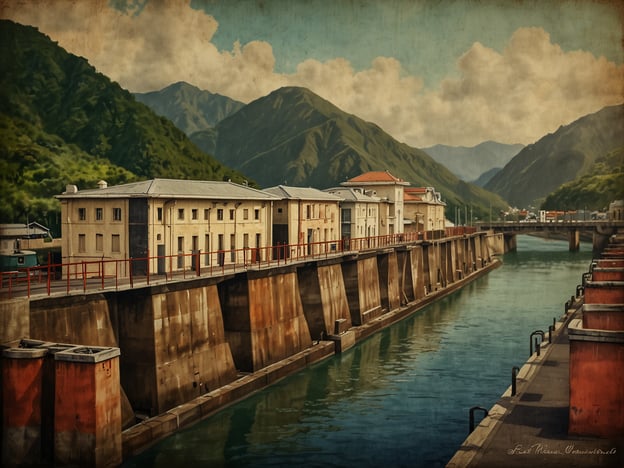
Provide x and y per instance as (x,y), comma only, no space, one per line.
(518,95)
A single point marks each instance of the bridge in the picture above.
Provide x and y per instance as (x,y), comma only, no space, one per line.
(601,230)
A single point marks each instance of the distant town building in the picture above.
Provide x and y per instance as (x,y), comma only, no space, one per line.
(616,210)
(359,213)
(424,209)
(389,189)
(304,217)
(165,218)
(18,236)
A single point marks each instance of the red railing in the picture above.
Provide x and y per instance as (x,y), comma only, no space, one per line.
(102,274)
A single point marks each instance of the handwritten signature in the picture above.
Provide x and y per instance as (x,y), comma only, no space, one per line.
(545,449)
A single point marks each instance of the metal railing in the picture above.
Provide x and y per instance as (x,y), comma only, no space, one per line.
(105,273)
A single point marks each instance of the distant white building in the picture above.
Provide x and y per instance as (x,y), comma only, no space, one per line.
(359,212)
(304,218)
(389,189)
(424,209)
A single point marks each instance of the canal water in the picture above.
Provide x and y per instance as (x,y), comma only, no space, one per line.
(400,398)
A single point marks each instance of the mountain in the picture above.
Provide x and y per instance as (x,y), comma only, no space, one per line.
(292,136)
(486,176)
(469,163)
(599,186)
(559,157)
(188,107)
(63,122)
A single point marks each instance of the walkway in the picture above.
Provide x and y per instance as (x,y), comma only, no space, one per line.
(531,428)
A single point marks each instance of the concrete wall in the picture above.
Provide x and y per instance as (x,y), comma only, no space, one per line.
(323,297)
(180,340)
(14,319)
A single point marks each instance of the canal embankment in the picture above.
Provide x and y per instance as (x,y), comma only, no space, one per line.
(565,404)
(141,436)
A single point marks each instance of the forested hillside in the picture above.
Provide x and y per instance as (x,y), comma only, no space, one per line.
(62,122)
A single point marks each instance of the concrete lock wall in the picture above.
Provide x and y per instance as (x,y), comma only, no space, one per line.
(180,340)
(278,325)
(14,319)
(388,268)
(323,297)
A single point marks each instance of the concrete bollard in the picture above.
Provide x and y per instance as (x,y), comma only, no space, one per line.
(22,372)
(87,426)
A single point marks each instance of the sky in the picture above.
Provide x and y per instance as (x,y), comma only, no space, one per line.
(453,72)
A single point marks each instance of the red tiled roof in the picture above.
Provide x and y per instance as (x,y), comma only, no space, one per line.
(376,176)
(409,197)
(416,190)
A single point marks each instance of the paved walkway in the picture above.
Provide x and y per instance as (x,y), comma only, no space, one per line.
(531,428)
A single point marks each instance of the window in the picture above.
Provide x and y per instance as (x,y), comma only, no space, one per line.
(194,213)
(257,213)
(206,214)
(308,212)
(99,214)
(159,214)
(180,213)
(116,214)
(180,252)
(245,213)
(279,210)
(346,215)
(99,242)
(220,214)
(232,247)
(82,243)
(115,244)
(82,214)
(231,214)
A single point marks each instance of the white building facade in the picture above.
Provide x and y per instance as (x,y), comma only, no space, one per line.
(174,222)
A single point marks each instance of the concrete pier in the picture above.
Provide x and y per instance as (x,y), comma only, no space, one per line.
(22,395)
(87,405)
(568,409)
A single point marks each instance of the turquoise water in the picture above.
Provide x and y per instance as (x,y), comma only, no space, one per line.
(400,398)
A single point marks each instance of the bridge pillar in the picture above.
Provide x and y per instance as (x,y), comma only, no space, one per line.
(510,242)
(574,240)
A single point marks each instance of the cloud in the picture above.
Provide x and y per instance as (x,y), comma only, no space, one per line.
(517,95)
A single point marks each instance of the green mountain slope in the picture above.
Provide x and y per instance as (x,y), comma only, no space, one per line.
(294,137)
(57,99)
(470,163)
(559,157)
(599,186)
(188,107)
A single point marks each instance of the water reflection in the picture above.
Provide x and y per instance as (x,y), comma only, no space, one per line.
(401,397)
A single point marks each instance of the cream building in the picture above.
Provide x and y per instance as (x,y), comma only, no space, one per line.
(389,189)
(359,213)
(166,220)
(306,219)
(424,208)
